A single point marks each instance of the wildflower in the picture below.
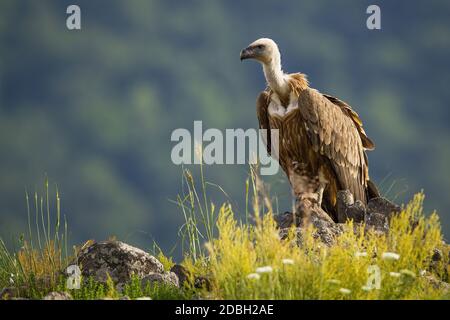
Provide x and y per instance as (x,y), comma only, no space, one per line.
(408,273)
(394,274)
(254,276)
(390,256)
(266,269)
(423,273)
(11,278)
(360,254)
(333,281)
(345,291)
(366,288)
(287,261)
(144,298)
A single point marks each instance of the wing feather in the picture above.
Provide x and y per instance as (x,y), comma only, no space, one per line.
(367,143)
(338,135)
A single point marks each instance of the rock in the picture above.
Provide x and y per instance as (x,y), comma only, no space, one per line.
(284,220)
(379,211)
(348,209)
(376,216)
(325,229)
(376,221)
(184,275)
(439,264)
(202,282)
(383,206)
(437,255)
(118,260)
(9,293)
(438,284)
(181,272)
(168,278)
(57,295)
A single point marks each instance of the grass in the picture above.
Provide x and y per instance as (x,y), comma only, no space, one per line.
(43,254)
(245,258)
(249,261)
(315,271)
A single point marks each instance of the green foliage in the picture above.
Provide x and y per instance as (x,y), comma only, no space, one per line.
(156,291)
(315,271)
(89,290)
(167,262)
(43,253)
(199,213)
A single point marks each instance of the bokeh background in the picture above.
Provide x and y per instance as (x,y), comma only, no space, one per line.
(94,109)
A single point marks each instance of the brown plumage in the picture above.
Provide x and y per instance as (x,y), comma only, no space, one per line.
(320,136)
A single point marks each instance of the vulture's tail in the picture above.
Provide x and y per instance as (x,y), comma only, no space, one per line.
(372,190)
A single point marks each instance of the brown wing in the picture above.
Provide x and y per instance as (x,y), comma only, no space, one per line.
(333,132)
(262,104)
(367,143)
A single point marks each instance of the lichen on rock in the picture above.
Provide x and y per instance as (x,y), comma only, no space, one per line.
(120,261)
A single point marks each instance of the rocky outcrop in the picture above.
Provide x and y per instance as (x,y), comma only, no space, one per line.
(181,272)
(120,262)
(184,275)
(375,216)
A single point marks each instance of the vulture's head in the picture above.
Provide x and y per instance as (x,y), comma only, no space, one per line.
(264,50)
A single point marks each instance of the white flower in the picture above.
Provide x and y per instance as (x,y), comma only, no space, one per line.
(144,298)
(390,256)
(366,288)
(423,272)
(333,281)
(345,291)
(407,272)
(266,269)
(360,254)
(254,276)
(11,278)
(287,261)
(394,274)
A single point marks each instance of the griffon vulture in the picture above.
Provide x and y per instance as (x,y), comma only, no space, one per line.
(318,134)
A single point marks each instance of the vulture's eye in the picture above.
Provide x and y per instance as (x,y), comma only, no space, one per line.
(260,46)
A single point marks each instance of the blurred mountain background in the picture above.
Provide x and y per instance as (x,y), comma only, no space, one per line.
(94,109)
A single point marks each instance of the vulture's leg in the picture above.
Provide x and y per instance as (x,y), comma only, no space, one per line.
(323,182)
(320,193)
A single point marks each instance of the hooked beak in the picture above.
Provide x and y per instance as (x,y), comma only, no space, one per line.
(247,53)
